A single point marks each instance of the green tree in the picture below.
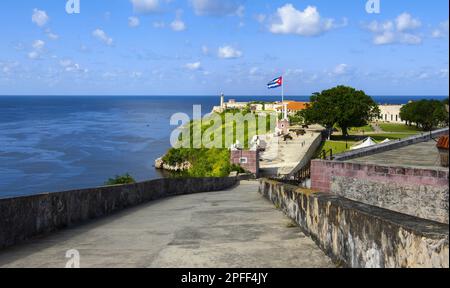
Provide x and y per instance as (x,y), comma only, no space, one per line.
(120,180)
(426,114)
(343,106)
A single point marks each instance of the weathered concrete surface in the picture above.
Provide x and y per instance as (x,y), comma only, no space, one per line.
(287,158)
(235,228)
(423,154)
(24,217)
(360,235)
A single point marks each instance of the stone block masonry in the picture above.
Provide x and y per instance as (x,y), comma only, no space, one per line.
(247,159)
(360,235)
(419,192)
(25,217)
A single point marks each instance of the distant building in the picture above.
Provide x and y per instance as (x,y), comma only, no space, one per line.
(283,127)
(292,106)
(390,114)
(231,104)
(297,106)
(443,146)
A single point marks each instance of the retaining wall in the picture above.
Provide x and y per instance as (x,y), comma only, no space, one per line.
(22,218)
(391,145)
(359,235)
(308,155)
(415,191)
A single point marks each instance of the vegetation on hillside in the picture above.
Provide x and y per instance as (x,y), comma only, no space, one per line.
(205,162)
(343,106)
(214,161)
(227,130)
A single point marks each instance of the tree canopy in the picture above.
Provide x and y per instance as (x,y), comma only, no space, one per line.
(343,106)
(426,114)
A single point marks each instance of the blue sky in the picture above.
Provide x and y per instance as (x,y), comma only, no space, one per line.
(204,47)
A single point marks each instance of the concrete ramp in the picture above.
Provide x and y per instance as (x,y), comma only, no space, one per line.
(233,228)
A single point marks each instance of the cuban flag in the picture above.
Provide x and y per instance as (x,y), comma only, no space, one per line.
(275,83)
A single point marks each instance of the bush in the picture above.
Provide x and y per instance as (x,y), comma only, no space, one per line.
(205,162)
(120,180)
(237,168)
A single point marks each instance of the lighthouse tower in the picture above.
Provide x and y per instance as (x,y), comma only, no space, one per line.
(222,101)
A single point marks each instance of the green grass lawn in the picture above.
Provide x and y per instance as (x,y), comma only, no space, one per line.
(399,128)
(337,146)
(365,129)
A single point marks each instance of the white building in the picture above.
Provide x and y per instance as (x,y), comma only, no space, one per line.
(390,114)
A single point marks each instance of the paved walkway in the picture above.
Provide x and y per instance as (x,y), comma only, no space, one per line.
(282,157)
(235,228)
(423,154)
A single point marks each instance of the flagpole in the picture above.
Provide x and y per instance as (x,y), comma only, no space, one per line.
(282,96)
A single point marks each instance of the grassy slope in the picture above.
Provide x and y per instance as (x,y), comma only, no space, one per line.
(214,162)
(399,128)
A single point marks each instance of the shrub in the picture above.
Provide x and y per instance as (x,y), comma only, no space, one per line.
(120,180)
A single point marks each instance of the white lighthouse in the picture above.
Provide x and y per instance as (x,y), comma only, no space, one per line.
(222,101)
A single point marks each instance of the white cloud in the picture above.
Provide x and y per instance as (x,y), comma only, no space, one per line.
(37,51)
(145,6)
(405,22)
(341,69)
(402,30)
(217,7)
(33,55)
(193,66)
(52,36)
(133,22)
(8,67)
(178,24)
(240,12)
(443,73)
(254,71)
(228,52)
(38,45)
(70,66)
(39,17)
(423,76)
(293,72)
(289,20)
(441,31)
(102,36)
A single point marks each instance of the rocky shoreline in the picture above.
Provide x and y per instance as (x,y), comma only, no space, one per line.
(179,167)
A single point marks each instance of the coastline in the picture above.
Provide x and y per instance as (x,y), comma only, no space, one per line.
(51,143)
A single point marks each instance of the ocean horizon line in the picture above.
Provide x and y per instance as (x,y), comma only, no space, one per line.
(187,95)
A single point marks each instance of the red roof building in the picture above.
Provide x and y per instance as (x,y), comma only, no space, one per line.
(442,145)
